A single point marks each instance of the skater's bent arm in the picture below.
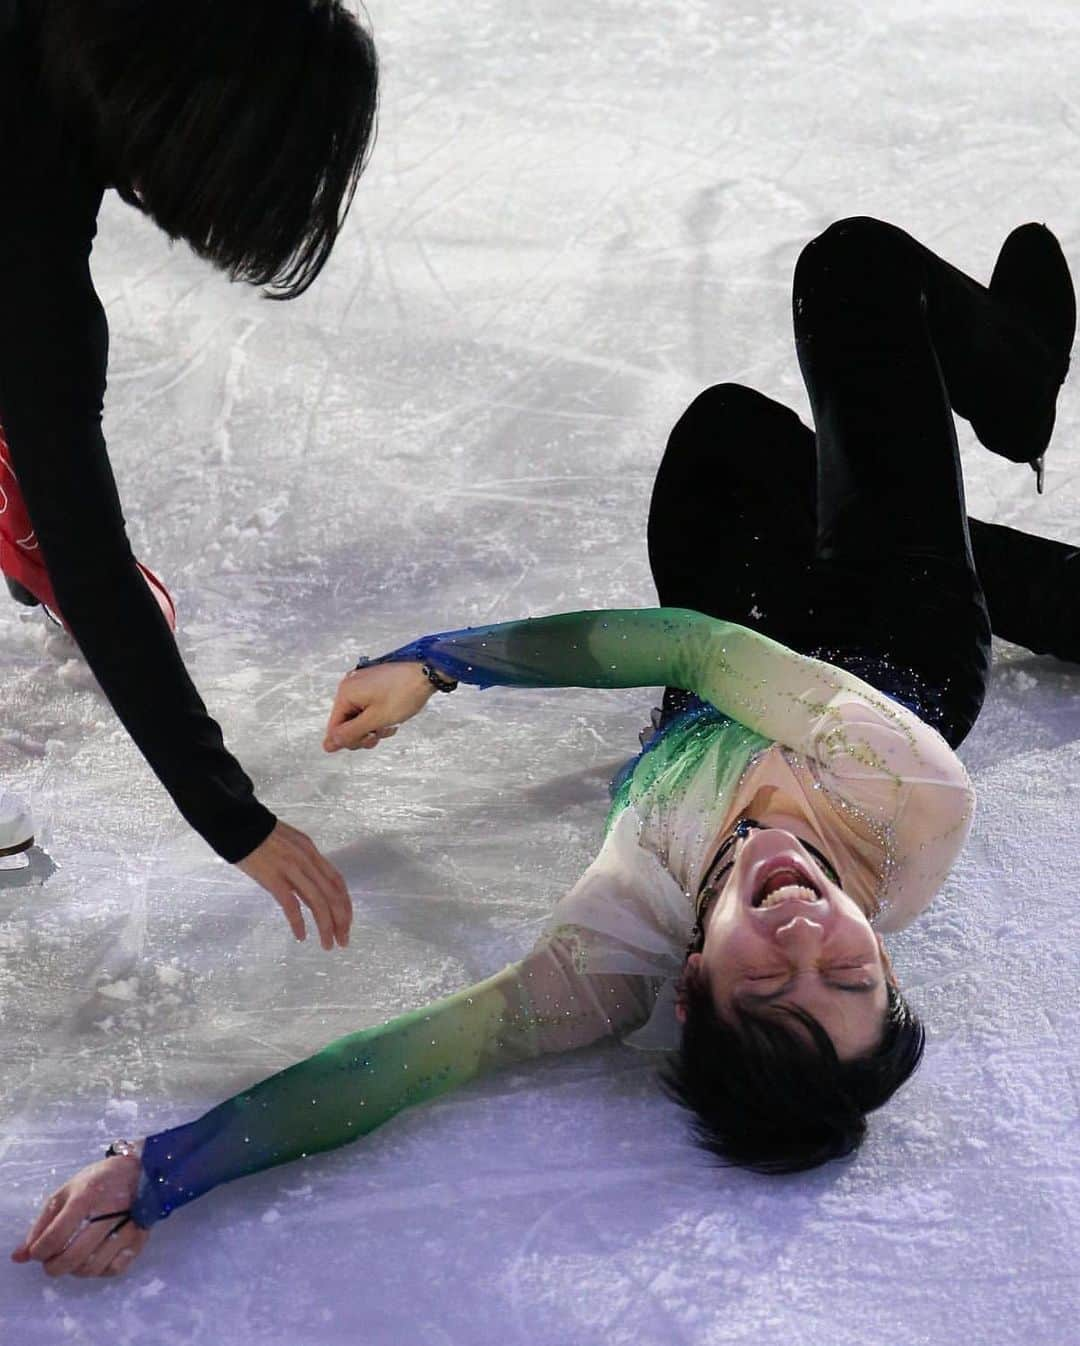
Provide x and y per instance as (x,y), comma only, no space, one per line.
(781,694)
(871,751)
(766,686)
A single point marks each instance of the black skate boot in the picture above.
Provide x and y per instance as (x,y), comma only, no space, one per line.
(1031,277)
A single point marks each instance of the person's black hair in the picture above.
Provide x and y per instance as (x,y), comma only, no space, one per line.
(770,1098)
(240,126)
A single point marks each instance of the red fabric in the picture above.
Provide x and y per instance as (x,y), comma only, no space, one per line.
(20,555)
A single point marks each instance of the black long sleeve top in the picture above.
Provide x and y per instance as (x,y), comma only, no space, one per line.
(53,356)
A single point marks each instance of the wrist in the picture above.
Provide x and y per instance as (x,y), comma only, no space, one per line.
(126,1149)
(439,681)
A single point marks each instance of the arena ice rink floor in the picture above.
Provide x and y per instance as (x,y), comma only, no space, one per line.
(576,217)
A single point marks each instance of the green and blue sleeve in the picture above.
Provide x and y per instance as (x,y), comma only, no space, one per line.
(764,685)
(540,1005)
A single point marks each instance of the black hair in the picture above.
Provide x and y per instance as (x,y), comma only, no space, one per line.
(240,126)
(774,1100)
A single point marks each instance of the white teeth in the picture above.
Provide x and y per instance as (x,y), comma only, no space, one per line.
(790,892)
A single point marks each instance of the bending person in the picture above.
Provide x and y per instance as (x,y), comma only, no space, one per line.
(240,127)
(825,643)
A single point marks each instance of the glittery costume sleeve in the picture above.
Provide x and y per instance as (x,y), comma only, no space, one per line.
(762,684)
(543,1004)
(871,755)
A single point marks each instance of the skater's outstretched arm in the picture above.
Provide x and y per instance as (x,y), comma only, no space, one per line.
(544,1004)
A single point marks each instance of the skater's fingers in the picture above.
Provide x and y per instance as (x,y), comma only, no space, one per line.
(310,890)
(337,901)
(45,1216)
(286,900)
(97,1259)
(337,725)
(70,1237)
(352,733)
(337,896)
(376,736)
(66,1216)
(127,1251)
(353,697)
(343,710)
(87,1240)
(123,1244)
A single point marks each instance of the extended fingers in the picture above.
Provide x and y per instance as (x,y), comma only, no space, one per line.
(45,1216)
(116,1251)
(85,1241)
(322,880)
(57,1225)
(127,1253)
(287,901)
(318,896)
(44,1219)
(299,873)
(299,883)
(333,888)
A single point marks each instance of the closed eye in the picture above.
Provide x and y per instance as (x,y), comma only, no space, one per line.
(763,997)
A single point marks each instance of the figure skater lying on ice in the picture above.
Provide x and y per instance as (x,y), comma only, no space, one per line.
(824,638)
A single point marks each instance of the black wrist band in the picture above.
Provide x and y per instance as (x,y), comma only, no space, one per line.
(440,683)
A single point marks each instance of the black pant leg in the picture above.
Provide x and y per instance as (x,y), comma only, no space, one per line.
(892,525)
(1032,587)
(732,516)
(889,477)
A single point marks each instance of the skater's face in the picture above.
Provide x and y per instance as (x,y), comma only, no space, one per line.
(780,931)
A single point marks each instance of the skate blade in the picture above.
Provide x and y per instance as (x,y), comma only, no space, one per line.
(5,851)
(1039,468)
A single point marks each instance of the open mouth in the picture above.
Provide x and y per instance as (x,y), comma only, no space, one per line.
(784,883)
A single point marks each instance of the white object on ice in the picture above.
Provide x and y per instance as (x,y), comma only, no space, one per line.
(16,824)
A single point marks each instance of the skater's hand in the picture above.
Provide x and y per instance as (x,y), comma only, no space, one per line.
(68,1237)
(371,702)
(290,867)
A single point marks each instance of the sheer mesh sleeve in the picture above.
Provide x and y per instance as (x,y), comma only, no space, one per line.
(901,775)
(769,688)
(542,1004)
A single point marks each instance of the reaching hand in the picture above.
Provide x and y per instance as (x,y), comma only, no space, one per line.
(290,867)
(371,702)
(84,1228)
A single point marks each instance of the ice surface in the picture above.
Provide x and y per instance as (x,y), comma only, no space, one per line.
(576,217)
